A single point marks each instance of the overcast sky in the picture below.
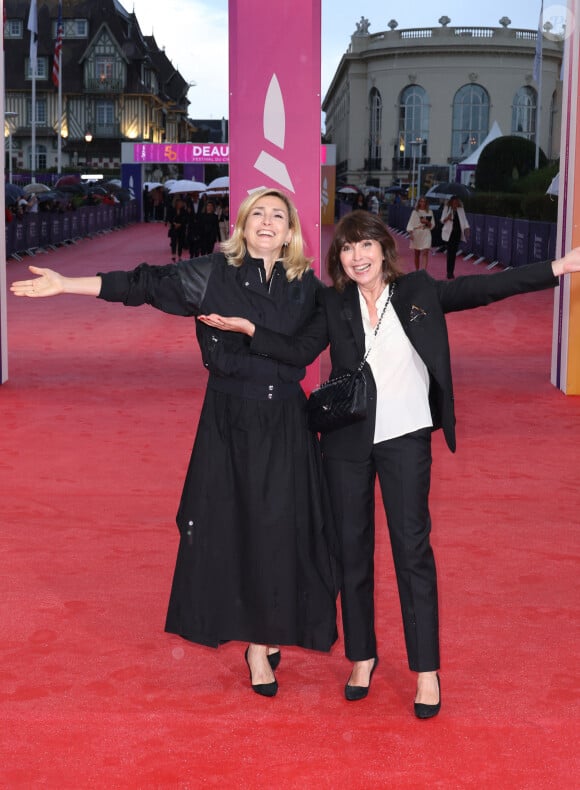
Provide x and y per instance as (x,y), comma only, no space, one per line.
(194,33)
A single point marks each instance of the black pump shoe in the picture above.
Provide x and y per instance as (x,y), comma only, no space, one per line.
(354,693)
(423,711)
(264,689)
(274,660)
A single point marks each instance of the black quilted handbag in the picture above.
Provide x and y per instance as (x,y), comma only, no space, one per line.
(338,402)
(343,400)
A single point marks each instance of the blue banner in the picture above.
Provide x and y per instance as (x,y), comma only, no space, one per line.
(478,234)
(490,240)
(504,240)
(539,241)
(520,242)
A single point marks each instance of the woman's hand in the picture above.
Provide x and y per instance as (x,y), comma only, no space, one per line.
(228,323)
(568,264)
(47,283)
(50,283)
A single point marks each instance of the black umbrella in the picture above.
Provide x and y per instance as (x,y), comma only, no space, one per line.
(11,193)
(52,196)
(449,189)
(396,190)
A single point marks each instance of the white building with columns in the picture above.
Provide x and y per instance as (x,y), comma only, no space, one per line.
(425,98)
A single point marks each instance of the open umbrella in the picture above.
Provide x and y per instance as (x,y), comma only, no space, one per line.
(29,189)
(449,189)
(12,192)
(65,181)
(396,190)
(223,182)
(52,196)
(348,190)
(185,185)
(151,185)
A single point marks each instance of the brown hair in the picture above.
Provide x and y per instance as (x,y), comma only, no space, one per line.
(360,226)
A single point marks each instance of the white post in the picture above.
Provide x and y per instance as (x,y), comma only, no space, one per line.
(538,118)
(9,116)
(33,124)
(59,111)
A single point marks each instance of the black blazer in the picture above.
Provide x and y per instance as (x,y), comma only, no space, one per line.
(420,303)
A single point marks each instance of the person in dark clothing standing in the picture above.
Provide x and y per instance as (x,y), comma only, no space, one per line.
(455,229)
(209,228)
(400,320)
(254,562)
(178,220)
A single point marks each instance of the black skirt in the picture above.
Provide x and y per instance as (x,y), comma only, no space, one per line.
(255,560)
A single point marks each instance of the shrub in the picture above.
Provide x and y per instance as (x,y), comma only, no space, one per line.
(505,161)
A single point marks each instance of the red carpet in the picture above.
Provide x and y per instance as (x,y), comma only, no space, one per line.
(98,417)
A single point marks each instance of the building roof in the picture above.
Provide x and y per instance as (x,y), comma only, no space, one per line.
(123,26)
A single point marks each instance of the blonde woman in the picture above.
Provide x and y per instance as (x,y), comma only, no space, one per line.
(253,563)
(419,229)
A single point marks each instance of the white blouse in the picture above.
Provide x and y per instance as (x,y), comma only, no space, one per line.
(401,376)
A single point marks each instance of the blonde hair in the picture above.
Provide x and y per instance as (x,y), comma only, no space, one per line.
(292,254)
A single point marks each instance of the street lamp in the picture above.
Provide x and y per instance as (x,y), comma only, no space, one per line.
(8,116)
(88,139)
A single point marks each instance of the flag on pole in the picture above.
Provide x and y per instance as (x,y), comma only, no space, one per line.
(538,55)
(33,27)
(57,47)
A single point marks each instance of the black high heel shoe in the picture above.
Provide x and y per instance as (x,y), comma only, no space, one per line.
(264,689)
(423,711)
(354,693)
(274,660)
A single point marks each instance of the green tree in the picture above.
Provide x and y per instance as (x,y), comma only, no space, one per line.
(504,161)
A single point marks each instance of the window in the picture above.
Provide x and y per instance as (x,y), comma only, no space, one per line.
(105,113)
(41,158)
(375,123)
(524,113)
(41,69)
(413,125)
(104,68)
(470,120)
(73,28)
(41,118)
(13,28)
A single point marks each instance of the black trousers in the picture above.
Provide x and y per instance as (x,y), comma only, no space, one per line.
(452,247)
(403,466)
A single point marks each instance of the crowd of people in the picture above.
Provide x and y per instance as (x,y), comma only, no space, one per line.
(68,197)
(196,221)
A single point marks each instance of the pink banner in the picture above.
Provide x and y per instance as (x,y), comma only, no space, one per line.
(275,104)
(185,153)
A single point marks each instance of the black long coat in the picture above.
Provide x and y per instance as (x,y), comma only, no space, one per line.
(253,562)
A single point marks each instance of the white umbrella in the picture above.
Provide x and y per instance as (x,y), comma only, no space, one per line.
(152,185)
(348,191)
(185,185)
(30,188)
(169,183)
(223,182)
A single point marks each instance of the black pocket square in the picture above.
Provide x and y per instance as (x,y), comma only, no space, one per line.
(417,313)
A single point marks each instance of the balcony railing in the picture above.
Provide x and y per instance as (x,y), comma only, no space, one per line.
(105,85)
(107,130)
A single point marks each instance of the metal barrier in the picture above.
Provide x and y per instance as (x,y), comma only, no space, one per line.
(510,242)
(38,232)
